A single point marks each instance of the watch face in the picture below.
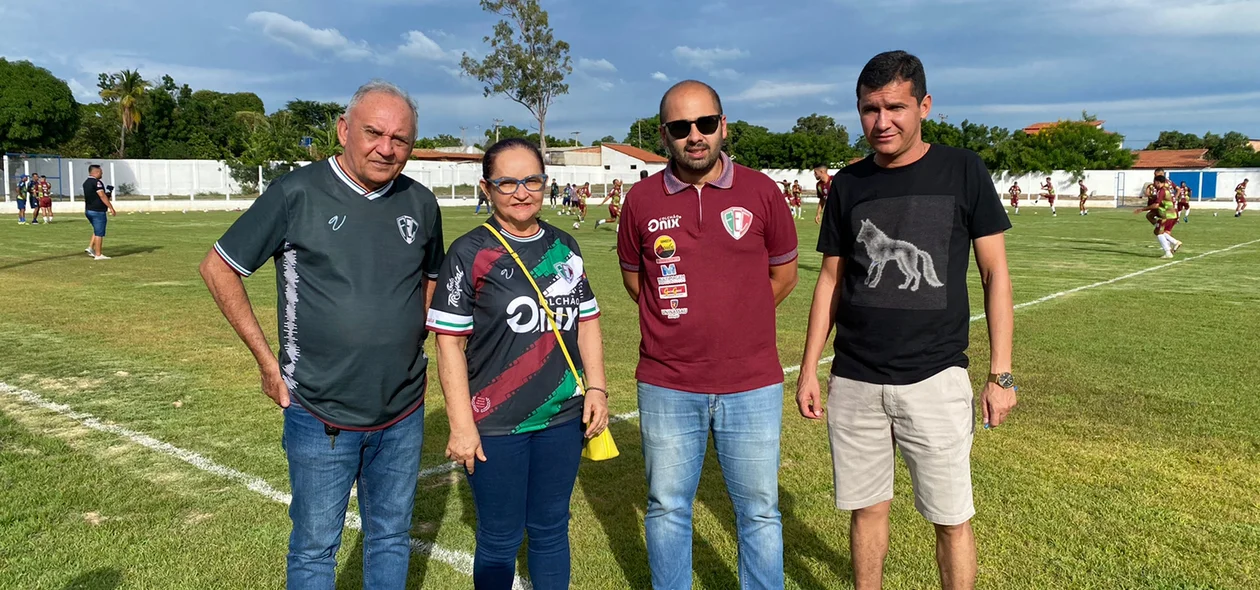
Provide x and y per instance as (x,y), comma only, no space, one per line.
(1006,380)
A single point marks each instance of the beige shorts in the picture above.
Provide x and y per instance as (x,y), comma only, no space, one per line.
(932,422)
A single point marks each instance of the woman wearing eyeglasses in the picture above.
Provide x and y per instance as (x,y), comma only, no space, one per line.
(516,411)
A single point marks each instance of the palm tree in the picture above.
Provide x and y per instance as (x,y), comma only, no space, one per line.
(125,89)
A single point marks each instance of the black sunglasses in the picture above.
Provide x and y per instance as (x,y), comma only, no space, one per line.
(680,129)
(508,185)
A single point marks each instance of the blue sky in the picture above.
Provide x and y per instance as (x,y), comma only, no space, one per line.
(1141,65)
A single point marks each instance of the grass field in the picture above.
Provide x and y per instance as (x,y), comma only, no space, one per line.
(1133,460)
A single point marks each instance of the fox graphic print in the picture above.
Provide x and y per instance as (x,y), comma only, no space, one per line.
(883,249)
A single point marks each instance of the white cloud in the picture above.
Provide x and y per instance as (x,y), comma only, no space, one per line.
(418,46)
(221,79)
(81,92)
(705,58)
(1193,17)
(1129,105)
(307,40)
(596,65)
(724,74)
(765,91)
(660,77)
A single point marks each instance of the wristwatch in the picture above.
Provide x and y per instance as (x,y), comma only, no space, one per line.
(1004,380)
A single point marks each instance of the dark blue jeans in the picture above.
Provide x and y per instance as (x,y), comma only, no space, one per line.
(525,485)
(386,464)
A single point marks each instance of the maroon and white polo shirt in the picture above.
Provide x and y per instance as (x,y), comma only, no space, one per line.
(706,306)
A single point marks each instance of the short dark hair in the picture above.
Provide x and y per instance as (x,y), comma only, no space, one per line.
(92,167)
(713,93)
(643,174)
(492,154)
(893,66)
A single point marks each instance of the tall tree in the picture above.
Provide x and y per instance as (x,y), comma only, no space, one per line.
(124,90)
(603,140)
(96,136)
(526,63)
(37,110)
(437,141)
(312,113)
(645,134)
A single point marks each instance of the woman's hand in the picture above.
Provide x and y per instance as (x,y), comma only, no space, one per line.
(464,447)
(595,412)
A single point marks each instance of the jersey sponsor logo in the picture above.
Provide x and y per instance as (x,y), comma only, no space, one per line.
(337,221)
(737,221)
(665,248)
(407,227)
(452,287)
(526,316)
(669,270)
(672,291)
(674,280)
(664,223)
(674,312)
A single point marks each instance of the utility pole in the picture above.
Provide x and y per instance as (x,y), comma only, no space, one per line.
(496,129)
(577,137)
(462,129)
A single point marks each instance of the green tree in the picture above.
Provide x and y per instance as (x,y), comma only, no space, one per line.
(1175,140)
(311,113)
(124,90)
(443,140)
(324,141)
(645,134)
(862,147)
(1231,146)
(605,139)
(823,126)
(96,135)
(526,63)
(37,110)
(1074,146)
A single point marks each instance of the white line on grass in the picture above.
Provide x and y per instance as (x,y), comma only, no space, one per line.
(460,560)
(975,318)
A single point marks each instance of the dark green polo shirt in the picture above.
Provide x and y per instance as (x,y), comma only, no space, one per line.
(350,272)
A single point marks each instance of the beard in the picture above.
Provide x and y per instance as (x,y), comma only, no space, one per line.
(679,155)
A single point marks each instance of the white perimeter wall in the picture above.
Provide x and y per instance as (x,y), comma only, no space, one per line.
(211,178)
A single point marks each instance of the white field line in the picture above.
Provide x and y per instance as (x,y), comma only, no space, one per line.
(461,561)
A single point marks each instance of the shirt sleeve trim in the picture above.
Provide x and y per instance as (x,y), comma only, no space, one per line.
(240,270)
(446,331)
(784,258)
(587,318)
(629,267)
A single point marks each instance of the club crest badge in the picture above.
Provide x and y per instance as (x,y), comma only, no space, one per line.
(407,227)
(737,221)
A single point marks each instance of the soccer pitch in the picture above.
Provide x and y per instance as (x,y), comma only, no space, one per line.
(136,450)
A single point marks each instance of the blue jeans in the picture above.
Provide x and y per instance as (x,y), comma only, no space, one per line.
(525,485)
(675,426)
(386,464)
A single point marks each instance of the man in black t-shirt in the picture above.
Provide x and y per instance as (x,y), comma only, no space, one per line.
(356,247)
(895,239)
(96,203)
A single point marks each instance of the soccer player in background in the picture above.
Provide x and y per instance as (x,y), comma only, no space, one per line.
(1152,197)
(579,200)
(1048,186)
(1183,202)
(21,198)
(797,204)
(1165,208)
(1240,198)
(823,187)
(614,209)
(1084,196)
(1015,192)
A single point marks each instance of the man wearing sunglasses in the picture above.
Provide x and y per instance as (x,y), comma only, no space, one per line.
(708,251)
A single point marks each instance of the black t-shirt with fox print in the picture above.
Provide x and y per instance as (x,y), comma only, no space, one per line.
(905,234)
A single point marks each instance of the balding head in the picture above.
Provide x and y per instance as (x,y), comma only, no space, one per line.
(688,91)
